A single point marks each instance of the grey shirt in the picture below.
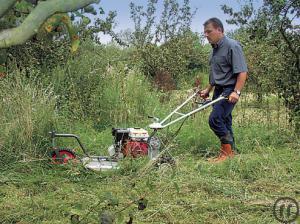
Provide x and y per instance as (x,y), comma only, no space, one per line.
(226,62)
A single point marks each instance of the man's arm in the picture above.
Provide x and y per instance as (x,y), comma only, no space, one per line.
(240,82)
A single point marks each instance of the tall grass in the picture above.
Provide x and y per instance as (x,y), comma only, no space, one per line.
(26,115)
(100,86)
(89,89)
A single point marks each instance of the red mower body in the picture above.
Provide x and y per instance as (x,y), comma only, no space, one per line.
(131,142)
(135,149)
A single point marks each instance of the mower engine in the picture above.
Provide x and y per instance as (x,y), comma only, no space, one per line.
(129,142)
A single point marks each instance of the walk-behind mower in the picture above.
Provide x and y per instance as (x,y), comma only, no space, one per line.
(129,142)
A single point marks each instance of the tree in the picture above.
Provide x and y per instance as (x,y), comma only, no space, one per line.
(175,20)
(165,47)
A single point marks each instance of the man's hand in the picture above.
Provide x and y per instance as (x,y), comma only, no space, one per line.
(204,93)
(233,97)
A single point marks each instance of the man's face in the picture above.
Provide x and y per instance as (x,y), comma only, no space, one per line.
(212,34)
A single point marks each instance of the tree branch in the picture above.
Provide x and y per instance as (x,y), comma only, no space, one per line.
(286,39)
(36,18)
(291,49)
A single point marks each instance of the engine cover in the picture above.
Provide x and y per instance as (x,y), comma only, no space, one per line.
(135,148)
(138,134)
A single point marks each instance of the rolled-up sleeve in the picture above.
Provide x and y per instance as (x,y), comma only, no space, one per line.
(238,59)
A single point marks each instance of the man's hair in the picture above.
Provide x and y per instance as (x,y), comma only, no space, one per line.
(215,22)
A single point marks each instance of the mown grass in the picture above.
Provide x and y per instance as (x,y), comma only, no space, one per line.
(240,190)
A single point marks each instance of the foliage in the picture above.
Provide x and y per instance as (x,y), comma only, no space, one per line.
(164,48)
(58,22)
(35,18)
(35,53)
(174,21)
(99,85)
(273,38)
(264,64)
(90,31)
(50,46)
(177,56)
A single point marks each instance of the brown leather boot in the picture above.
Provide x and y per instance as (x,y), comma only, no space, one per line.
(225,153)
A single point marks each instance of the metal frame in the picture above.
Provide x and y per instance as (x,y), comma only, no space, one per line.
(165,123)
(54,135)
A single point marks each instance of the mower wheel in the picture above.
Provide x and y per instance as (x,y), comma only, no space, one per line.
(61,156)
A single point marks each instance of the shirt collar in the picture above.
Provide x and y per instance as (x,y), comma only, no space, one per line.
(219,44)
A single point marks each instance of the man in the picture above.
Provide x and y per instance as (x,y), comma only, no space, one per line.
(228,73)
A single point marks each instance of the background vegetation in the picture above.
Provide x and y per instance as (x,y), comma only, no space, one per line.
(148,71)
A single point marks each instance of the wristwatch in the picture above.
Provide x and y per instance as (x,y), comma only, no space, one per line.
(237,92)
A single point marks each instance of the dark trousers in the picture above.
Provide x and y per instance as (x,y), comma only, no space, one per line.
(220,119)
